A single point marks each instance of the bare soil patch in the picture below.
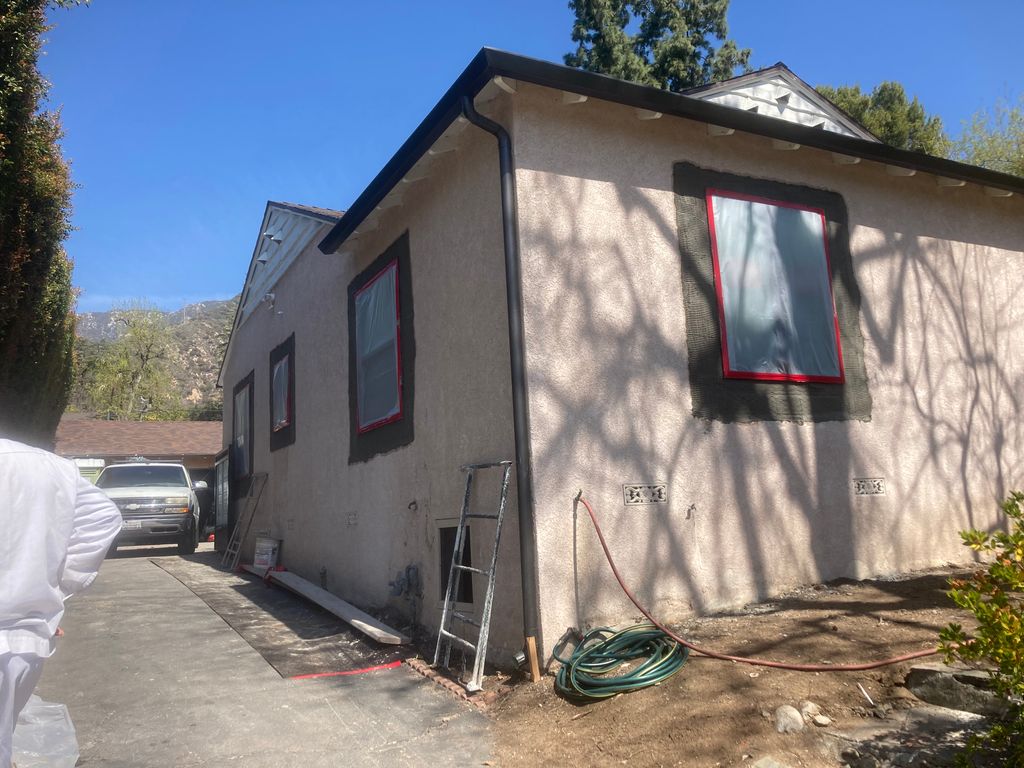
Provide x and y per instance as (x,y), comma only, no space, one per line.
(716,713)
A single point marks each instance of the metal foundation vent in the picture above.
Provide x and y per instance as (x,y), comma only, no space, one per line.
(869,486)
(645,493)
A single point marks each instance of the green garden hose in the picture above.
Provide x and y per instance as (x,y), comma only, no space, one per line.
(587,673)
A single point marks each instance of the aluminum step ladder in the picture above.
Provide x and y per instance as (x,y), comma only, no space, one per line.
(445,636)
(252,499)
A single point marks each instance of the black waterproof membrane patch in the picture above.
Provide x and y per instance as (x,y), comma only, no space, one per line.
(717,398)
(282,432)
(364,445)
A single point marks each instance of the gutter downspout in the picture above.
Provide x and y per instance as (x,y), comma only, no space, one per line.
(520,403)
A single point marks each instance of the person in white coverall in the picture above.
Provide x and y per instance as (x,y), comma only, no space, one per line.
(55,529)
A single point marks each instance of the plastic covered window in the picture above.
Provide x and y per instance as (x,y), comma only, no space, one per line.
(378,378)
(772,278)
(280,395)
(242,434)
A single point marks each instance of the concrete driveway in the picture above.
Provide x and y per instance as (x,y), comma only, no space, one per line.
(153,677)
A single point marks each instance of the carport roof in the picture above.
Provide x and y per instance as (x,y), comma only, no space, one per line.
(82,437)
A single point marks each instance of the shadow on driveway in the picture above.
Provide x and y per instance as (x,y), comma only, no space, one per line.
(293,635)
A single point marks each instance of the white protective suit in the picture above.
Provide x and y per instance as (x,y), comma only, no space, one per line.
(55,529)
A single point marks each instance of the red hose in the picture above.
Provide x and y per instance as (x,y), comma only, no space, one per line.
(744,659)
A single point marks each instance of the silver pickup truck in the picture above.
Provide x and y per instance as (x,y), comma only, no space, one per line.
(157,501)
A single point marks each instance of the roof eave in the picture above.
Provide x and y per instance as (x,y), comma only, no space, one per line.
(489,63)
(302,210)
(473,78)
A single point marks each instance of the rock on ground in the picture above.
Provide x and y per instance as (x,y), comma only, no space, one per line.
(788,719)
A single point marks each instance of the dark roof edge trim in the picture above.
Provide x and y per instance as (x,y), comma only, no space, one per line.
(489,63)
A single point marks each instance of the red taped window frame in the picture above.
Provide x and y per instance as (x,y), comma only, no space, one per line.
(727,370)
(288,392)
(360,427)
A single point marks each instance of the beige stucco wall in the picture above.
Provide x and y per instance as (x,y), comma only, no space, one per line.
(754,508)
(365,522)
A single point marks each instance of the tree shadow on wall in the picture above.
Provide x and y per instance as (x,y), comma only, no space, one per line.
(615,408)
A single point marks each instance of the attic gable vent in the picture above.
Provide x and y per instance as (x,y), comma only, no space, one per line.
(783,102)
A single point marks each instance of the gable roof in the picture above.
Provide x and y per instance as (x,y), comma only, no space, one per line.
(80,437)
(285,231)
(776,91)
(489,64)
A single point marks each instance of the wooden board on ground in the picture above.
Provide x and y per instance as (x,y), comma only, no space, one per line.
(360,620)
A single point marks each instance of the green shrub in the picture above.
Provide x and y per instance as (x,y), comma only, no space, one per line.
(995,595)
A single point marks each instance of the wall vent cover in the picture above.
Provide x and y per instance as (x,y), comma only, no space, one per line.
(645,493)
(869,486)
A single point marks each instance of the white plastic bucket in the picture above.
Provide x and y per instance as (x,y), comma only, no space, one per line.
(266,552)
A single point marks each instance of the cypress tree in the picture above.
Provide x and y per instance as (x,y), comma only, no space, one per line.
(36,299)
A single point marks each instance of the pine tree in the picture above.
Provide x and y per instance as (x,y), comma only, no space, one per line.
(888,114)
(673,46)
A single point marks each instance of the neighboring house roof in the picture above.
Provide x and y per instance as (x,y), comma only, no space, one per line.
(285,231)
(507,68)
(777,92)
(78,437)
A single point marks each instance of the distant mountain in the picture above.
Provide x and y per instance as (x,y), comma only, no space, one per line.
(95,326)
(100,326)
(199,333)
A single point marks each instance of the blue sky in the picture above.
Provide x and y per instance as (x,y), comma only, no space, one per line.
(183,118)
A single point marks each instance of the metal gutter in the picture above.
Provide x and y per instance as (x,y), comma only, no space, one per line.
(489,63)
(517,355)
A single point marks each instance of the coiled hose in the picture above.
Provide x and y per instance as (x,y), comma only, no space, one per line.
(587,673)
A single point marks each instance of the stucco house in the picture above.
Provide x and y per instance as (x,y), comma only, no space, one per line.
(769,349)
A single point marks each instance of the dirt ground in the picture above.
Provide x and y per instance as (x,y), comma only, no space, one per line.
(716,713)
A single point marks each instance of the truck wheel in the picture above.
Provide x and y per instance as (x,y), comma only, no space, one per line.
(187,544)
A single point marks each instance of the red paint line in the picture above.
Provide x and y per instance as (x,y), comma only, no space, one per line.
(390,665)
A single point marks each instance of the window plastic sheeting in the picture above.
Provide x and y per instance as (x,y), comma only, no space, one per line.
(241,457)
(775,293)
(378,391)
(280,395)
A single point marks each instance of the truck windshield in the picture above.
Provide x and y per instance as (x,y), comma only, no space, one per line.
(137,476)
